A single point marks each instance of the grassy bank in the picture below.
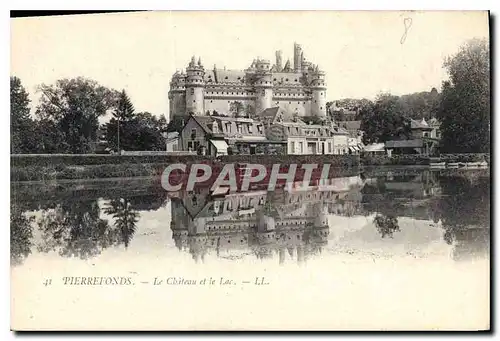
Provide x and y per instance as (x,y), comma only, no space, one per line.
(58,172)
(59,167)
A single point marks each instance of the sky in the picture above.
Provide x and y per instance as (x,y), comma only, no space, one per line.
(363,53)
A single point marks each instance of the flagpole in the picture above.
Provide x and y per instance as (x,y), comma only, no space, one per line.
(118,127)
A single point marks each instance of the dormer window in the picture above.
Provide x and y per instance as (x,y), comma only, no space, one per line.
(215,127)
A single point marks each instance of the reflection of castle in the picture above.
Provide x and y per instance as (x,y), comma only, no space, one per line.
(291,220)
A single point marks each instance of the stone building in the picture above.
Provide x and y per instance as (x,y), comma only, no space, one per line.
(424,139)
(221,135)
(302,138)
(299,88)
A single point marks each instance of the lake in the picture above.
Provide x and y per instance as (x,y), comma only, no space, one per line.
(383,249)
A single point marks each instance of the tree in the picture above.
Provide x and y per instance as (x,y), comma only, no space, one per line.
(72,107)
(147,132)
(125,218)
(237,108)
(384,120)
(176,123)
(21,234)
(386,225)
(20,120)
(74,229)
(120,129)
(249,111)
(464,109)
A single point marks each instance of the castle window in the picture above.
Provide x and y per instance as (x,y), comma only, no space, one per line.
(239,78)
(194,100)
(289,102)
(211,101)
(315,101)
(274,80)
(225,77)
(320,108)
(286,79)
(192,91)
(295,80)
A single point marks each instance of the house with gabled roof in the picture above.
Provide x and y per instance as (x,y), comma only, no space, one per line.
(424,139)
(199,136)
(302,138)
(222,135)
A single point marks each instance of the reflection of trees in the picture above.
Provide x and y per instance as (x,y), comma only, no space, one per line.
(125,218)
(464,203)
(386,225)
(75,229)
(21,234)
(464,212)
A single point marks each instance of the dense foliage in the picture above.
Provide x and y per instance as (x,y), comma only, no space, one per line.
(66,120)
(465,106)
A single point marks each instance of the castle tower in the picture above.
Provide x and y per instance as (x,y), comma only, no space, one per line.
(195,85)
(297,57)
(318,87)
(263,85)
(279,61)
(177,95)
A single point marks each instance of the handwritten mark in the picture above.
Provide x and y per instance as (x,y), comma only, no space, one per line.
(407,22)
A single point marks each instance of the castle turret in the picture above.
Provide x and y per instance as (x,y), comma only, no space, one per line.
(318,87)
(177,95)
(263,85)
(195,85)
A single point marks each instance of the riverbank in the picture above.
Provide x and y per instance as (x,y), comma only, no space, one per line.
(419,160)
(72,167)
(93,166)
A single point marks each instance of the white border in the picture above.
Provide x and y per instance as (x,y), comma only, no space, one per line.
(186,5)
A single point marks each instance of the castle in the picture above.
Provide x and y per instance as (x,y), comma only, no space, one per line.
(299,89)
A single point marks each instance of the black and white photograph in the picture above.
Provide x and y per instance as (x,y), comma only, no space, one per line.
(250,171)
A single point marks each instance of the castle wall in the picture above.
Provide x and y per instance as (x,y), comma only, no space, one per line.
(222,106)
(299,89)
(177,104)
(300,106)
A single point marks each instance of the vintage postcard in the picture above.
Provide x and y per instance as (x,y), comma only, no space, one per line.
(240,170)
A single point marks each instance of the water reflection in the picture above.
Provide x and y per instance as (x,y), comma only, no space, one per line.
(295,223)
